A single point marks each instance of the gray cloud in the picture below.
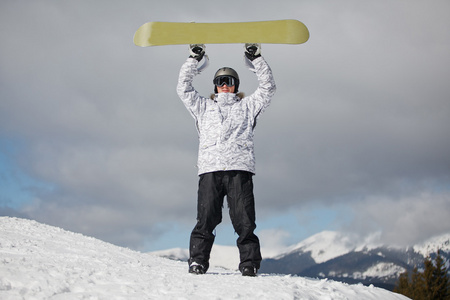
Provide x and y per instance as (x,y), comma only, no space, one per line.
(405,220)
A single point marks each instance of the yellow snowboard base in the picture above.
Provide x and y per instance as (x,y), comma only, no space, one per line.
(263,32)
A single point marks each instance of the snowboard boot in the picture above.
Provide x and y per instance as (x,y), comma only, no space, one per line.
(197,269)
(249,271)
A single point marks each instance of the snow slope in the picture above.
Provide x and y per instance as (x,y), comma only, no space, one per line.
(43,262)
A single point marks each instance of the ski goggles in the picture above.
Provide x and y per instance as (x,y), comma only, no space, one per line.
(228,80)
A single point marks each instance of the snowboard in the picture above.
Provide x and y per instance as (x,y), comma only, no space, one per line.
(178,33)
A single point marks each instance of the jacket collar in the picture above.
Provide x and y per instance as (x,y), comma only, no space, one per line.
(224,99)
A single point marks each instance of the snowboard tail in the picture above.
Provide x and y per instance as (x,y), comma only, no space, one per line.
(263,32)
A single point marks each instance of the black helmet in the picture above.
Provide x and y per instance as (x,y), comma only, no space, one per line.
(226,71)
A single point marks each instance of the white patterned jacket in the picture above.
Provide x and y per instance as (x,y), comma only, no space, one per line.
(226,123)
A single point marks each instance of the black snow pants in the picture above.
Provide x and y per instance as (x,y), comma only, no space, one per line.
(213,187)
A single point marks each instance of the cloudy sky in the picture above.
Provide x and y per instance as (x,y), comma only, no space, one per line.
(94,139)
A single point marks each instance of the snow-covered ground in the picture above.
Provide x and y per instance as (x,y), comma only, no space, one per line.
(38,261)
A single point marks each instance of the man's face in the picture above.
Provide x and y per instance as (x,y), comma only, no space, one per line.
(225,89)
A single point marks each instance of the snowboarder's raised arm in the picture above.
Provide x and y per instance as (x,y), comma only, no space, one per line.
(261,98)
(185,90)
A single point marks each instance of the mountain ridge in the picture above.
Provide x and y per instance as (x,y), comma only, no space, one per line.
(342,257)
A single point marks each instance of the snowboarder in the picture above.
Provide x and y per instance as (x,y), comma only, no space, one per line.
(226,163)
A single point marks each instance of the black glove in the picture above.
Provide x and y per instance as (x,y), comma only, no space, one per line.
(252,51)
(197,51)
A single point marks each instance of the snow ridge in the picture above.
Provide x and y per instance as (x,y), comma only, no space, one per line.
(431,245)
(327,245)
(38,261)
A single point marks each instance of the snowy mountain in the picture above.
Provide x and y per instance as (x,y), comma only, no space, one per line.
(38,261)
(336,256)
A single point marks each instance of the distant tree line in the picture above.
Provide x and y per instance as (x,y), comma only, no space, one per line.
(431,284)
